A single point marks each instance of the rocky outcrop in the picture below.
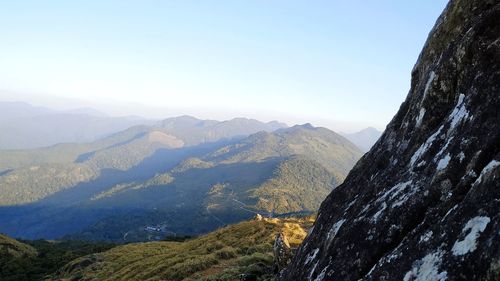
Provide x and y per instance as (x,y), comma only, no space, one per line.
(424,203)
(282,252)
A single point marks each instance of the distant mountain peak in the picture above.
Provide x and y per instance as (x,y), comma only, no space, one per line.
(370,129)
(182,118)
(365,138)
(306,126)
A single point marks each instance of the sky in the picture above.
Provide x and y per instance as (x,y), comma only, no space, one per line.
(339,64)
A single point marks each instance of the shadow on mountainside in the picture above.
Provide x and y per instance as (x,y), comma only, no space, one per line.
(69,211)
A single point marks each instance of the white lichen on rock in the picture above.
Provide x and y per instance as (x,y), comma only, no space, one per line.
(396,194)
(461,157)
(449,212)
(423,148)
(311,256)
(333,232)
(443,163)
(420,117)
(427,269)
(459,113)
(432,76)
(488,168)
(444,147)
(321,275)
(426,236)
(397,191)
(474,226)
(379,212)
(312,271)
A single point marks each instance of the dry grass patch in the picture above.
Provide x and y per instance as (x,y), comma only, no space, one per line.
(224,254)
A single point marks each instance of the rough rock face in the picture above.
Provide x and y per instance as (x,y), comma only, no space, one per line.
(282,252)
(424,203)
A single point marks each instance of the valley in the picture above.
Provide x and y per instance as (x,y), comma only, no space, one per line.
(183,176)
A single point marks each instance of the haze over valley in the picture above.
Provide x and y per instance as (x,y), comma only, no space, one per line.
(167,175)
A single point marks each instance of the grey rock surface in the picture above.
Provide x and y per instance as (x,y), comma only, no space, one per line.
(424,202)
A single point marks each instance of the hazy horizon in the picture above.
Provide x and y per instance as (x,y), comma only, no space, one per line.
(159,113)
(295,62)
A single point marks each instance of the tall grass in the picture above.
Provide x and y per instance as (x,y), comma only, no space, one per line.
(224,254)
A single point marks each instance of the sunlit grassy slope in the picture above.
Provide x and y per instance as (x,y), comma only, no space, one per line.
(224,254)
(14,248)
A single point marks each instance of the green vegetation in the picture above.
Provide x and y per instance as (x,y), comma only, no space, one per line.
(34,174)
(14,248)
(33,260)
(140,188)
(157,180)
(192,163)
(224,254)
(297,185)
(30,184)
(37,173)
(331,150)
(64,153)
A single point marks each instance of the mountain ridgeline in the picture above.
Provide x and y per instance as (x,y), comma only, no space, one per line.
(38,173)
(180,176)
(424,203)
(24,126)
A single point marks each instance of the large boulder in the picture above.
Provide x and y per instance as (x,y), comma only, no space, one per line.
(424,203)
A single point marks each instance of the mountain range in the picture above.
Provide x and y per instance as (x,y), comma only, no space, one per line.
(178,176)
(24,126)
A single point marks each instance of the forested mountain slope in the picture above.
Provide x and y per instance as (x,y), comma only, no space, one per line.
(267,173)
(124,187)
(30,175)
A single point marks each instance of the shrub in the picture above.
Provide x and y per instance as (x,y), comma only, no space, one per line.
(255,258)
(226,253)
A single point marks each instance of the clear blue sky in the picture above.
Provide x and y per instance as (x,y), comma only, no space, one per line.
(324,62)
